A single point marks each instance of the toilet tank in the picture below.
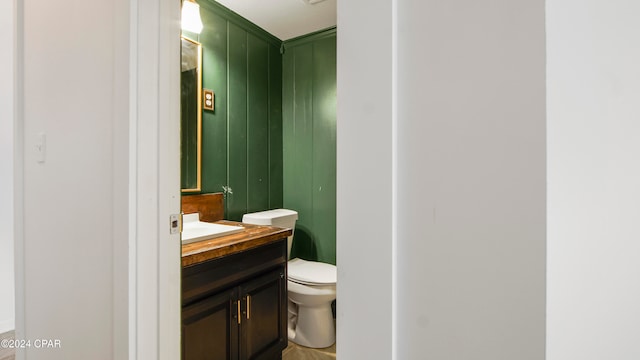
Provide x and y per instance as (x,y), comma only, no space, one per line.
(278,217)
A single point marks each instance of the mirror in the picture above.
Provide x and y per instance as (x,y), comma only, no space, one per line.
(191,116)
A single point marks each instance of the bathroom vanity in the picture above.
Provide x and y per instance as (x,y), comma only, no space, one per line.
(234,295)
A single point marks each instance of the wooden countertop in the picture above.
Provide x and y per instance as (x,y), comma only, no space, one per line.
(252,236)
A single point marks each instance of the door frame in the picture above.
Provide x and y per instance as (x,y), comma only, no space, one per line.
(154,179)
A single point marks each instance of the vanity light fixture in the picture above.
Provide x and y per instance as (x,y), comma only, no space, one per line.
(191,16)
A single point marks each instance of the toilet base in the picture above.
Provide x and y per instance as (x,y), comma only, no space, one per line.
(314,326)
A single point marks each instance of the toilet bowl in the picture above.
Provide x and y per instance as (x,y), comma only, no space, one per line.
(311,288)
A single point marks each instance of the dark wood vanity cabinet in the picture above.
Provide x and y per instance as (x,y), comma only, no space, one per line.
(235,307)
(208,330)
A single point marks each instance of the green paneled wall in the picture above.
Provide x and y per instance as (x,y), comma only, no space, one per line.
(309,142)
(272,136)
(242,138)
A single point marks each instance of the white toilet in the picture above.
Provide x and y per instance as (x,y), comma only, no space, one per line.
(311,286)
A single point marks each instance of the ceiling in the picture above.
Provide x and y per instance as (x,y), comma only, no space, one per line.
(286,19)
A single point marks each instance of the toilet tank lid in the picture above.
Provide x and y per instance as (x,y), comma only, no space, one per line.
(312,272)
(266,217)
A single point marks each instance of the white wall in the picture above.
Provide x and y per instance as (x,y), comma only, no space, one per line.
(7,71)
(364,181)
(441,181)
(593,92)
(74,202)
(471,188)
(96,267)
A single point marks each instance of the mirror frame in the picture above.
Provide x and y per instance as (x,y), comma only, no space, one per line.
(198,187)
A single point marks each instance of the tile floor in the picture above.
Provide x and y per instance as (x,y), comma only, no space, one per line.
(297,352)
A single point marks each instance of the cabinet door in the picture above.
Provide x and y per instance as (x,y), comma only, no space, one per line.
(264,328)
(210,328)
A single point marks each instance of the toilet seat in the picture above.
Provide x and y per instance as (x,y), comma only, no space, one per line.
(311,272)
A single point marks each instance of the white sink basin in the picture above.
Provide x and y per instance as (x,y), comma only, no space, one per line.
(195,230)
